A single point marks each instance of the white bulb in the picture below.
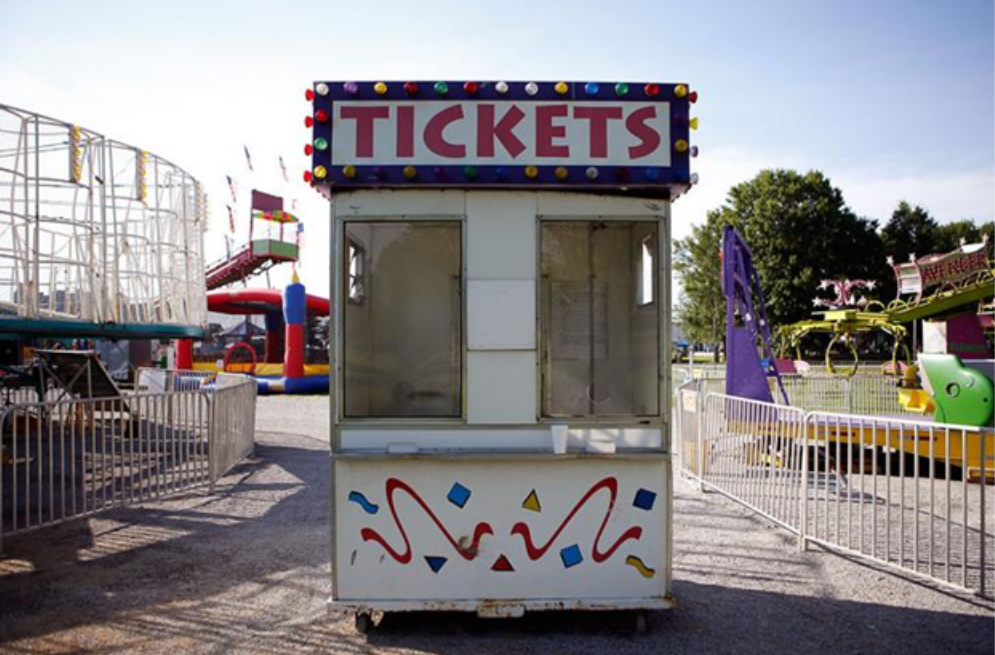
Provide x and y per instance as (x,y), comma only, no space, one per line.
(694,178)
(501,87)
(531,88)
(592,173)
(321,89)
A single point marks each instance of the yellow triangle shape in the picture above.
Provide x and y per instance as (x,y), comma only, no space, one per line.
(532,502)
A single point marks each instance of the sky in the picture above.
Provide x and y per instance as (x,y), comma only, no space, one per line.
(893,100)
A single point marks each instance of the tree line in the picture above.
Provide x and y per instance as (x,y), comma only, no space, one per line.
(802,232)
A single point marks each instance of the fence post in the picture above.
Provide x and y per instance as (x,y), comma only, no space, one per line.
(700,407)
(803,511)
(848,385)
(211,442)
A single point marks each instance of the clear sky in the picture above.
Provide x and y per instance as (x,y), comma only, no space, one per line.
(892,99)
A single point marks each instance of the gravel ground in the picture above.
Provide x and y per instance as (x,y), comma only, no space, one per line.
(247,571)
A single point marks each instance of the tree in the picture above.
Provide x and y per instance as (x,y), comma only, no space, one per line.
(910,231)
(950,235)
(800,231)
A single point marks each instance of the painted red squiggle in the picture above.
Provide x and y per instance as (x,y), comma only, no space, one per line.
(393,485)
(611,484)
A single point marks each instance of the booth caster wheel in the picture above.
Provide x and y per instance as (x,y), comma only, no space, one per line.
(640,623)
(364,623)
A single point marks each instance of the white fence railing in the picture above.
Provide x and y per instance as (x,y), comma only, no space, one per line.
(907,494)
(69,458)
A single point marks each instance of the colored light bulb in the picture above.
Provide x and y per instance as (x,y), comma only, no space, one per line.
(591,173)
(694,123)
(470,172)
(622,173)
(377,172)
(591,88)
(411,88)
(321,143)
(694,151)
(693,97)
(561,172)
(441,88)
(307,176)
(439,171)
(321,116)
(410,172)
(652,90)
(309,95)
(320,172)
(350,88)
(308,150)
(471,88)
(680,145)
(621,89)
(680,90)
(531,88)
(652,174)
(321,89)
(308,121)
(380,88)
(501,87)
(500,173)
(562,88)
(349,171)
(694,178)
(531,172)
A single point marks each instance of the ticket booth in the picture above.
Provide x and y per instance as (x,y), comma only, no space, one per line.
(501,348)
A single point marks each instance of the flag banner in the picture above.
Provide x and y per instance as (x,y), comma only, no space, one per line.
(265,202)
(277,216)
(248,157)
(231,187)
(283,169)
(231,219)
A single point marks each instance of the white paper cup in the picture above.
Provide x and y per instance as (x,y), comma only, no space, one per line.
(559,434)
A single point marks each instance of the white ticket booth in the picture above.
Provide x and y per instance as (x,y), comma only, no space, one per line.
(500,374)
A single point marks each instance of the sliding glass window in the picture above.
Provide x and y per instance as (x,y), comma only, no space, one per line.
(600,325)
(402,340)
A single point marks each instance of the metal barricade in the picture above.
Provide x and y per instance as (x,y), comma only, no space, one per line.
(69,458)
(907,494)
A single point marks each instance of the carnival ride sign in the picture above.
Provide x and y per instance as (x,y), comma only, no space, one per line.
(918,275)
(503,134)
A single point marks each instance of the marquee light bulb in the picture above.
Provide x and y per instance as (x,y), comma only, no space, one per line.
(591,88)
(562,88)
(470,172)
(561,172)
(308,150)
(471,88)
(694,151)
(501,87)
(410,172)
(309,95)
(349,171)
(308,121)
(680,90)
(681,145)
(531,88)
(652,174)
(320,172)
(441,88)
(321,116)
(622,89)
(307,176)
(321,143)
(380,88)
(694,123)
(591,173)
(500,172)
(693,97)
(652,90)
(694,178)
(351,88)
(411,88)
(531,172)
(321,89)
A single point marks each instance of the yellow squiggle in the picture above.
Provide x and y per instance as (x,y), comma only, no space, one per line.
(637,564)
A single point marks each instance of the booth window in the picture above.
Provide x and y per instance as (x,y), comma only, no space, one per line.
(600,320)
(401,337)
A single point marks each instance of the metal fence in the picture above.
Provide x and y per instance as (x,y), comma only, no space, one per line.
(70,458)
(907,494)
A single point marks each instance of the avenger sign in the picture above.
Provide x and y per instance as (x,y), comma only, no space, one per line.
(448,134)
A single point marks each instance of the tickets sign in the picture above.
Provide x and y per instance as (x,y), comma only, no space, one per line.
(450,134)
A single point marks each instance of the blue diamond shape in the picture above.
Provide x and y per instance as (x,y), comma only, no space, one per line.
(458,495)
(571,556)
(644,499)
